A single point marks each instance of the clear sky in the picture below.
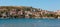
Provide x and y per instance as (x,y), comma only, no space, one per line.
(50,5)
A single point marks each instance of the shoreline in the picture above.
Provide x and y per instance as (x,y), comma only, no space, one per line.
(31,18)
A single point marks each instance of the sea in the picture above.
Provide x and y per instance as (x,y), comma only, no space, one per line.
(29,22)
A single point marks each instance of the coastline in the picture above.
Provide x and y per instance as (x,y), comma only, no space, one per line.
(14,12)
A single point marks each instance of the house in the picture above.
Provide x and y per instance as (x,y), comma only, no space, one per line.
(4,15)
(20,13)
(58,12)
(27,13)
(13,12)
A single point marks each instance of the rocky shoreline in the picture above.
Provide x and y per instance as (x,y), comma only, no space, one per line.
(14,12)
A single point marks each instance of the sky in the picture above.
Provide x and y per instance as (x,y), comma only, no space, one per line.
(50,5)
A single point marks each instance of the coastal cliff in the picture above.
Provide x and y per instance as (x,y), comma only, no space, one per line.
(26,12)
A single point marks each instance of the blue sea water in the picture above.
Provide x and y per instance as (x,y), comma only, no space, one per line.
(29,23)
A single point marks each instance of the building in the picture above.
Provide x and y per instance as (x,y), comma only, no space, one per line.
(58,12)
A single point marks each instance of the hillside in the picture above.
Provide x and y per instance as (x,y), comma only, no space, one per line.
(25,12)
